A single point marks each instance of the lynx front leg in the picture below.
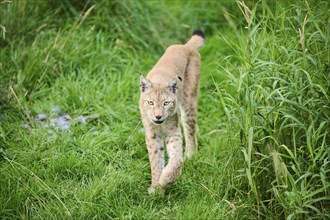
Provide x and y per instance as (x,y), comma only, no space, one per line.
(174,149)
(156,157)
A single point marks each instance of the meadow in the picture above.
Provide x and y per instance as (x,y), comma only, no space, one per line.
(71,141)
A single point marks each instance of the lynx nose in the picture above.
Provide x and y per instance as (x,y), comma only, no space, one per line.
(158,117)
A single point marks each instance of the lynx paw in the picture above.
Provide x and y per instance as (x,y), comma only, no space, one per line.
(170,174)
(155,190)
(190,152)
(151,190)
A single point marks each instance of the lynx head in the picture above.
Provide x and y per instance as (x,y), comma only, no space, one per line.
(158,101)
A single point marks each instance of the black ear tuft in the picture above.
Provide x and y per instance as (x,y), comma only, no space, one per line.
(138,72)
(173,85)
(144,84)
(179,77)
(143,87)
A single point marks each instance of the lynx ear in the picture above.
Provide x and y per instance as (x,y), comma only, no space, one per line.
(144,84)
(173,85)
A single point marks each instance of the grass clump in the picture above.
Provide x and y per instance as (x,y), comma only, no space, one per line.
(281,107)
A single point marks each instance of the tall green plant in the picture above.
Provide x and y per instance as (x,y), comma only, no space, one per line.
(281,107)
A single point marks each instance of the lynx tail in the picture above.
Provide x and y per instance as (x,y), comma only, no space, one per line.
(197,40)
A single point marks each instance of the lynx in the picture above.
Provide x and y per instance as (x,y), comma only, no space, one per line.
(168,92)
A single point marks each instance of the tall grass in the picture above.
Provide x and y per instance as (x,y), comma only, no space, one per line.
(40,38)
(280,104)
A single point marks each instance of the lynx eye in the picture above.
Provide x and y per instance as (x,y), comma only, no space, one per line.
(166,103)
(150,103)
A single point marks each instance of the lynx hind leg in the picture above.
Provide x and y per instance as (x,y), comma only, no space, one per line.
(174,149)
(189,103)
(189,123)
(155,148)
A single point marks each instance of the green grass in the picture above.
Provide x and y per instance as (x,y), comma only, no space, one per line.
(263,110)
(281,107)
